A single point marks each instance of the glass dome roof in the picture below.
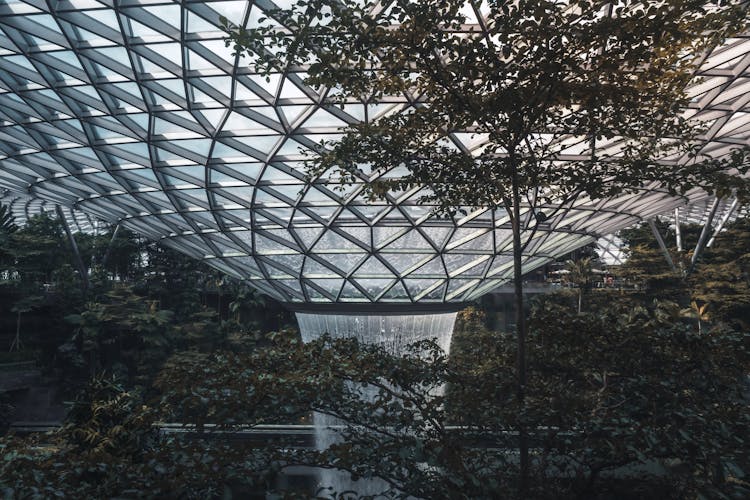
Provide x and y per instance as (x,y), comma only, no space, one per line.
(24,207)
(139,113)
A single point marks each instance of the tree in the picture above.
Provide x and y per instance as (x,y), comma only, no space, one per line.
(123,328)
(721,282)
(580,273)
(38,249)
(26,304)
(528,80)
(7,224)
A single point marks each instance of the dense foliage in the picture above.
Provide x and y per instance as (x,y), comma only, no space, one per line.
(631,402)
(629,396)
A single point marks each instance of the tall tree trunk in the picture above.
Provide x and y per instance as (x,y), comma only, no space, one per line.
(523,445)
(580,299)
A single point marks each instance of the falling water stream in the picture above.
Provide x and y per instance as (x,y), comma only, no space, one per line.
(394,333)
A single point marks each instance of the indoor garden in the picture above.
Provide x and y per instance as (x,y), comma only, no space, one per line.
(346,249)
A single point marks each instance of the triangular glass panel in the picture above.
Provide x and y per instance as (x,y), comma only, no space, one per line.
(220,84)
(457,260)
(197,24)
(272,174)
(274,271)
(385,234)
(221,150)
(193,196)
(437,234)
(486,286)
(150,67)
(396,292)
(501,265)
(248,264)
(315,195)
(292,148)
(239,122)
(346,262)
(503,245)
(242,195)
(322,118)
(282,234)
(243,171)
(416,212)
(212,116)
(411,241)
(434,267)
(373,267)
(293,286)
(314,295)
(457,287)
(206,220)
(293,263)
(402,262)
(308,234)
(292,113)
(200,97)
(333,241)
(477,268)
(325,213)
(242,93)
(264,144)
(232,10)
(290,91)
(332,286)
(351,292)
(218,49)
(356,111)
(418,286)
(359,233)
(290,193)
(167,13)
(266,112)
(268,246)
(463,234)
(314,269)
(375,286)
(198,146)
(435,294)
(284,215)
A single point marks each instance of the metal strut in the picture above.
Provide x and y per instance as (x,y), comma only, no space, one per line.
(723,221)
(74,246)
(704,235)
(663,247)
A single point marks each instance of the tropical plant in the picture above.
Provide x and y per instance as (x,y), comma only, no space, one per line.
(123,328)
(521,81)
(24,305)
(580,273)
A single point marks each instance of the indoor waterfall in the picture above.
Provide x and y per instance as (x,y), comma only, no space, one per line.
(393,333)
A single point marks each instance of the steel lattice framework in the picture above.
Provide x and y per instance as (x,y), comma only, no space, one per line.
(24,207)
(134,111)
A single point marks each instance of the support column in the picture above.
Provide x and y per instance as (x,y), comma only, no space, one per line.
(704,235)
(111,244)
(74,247)
(723,221)
(663,247)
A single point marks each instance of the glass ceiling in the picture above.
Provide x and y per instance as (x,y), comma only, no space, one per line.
(136,112)
(24,207)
